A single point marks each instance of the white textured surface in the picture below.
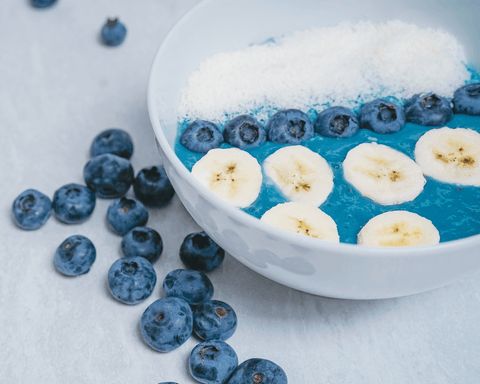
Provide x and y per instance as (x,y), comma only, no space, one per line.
(58,88)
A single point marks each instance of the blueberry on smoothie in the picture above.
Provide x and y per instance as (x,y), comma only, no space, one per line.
(200,253)
(152,187)
(125,214)
(466,100)
(31,209)
(289,126)
(131,280)
(144,242)
(254,371)
(212,362)
(166,324)
(114,141)
(201,136)
(428,110)
(109,176)
(244,132)
(382,116)
(336,122)
(192,286)
(42,3)
(75,256)
(214,320)
(73,203)
(113,32)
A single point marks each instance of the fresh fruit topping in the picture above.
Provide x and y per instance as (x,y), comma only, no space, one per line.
(125,214)
(192,286)
(114,141)
(73,203)
(75,256)
(244,132)
(258,371)
(113,32)
(200,253)
(152,187)
(466,100)
(428,109)
(144,242)
(31,209)
(290,126)
(214,320)
(201,136)
(42,3)
(336,122)
(382,116)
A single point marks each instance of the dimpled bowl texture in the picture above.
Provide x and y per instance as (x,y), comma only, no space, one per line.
(310,265)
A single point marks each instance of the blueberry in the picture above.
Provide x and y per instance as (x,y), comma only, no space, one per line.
(31,209)
(200,253)
(244,132)
(192,286)
(466,100)
(114,141)
(336,122)
(289,126)
(144,242)
(113,32)
(212,362)
(382,116)
(75,256)
(168,382)
(166,324)
(214,320)
(125,214)
(109,176)
(254,371)
(42,3)
(73,203)
(428,109)
(201,136)
(131,280)
(152,187)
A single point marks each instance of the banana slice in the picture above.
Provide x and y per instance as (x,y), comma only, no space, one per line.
(303,219)
(450,155)
(301,174)
(383,174)
(398,229)
(232,174)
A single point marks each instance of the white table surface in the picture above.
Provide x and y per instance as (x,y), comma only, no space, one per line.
(59,87)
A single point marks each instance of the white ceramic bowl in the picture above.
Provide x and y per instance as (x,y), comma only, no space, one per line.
(310,265)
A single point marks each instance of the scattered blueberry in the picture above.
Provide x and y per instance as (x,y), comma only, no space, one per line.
(466,100)
(214,320)
(114,141)
(144,242)
(200,253)
(42,3)
(73,203)
(244,132)
(290,126)
(152,187)
(336,122)
(192,286)
(168,382)
(109,176)
(382,116)
(31,209)
(428,109)
(254,371)
(113,32)
(75,256)
(212,362)
(125,214)
(201,136)
(166,324)
(131,280)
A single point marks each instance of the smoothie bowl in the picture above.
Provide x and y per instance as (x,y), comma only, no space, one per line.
(339,270)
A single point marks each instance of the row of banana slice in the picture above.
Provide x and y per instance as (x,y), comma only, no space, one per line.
(378,172)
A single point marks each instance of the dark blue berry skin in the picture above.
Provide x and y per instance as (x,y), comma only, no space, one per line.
(201,136)
(166,324)
(31,209)
(73,203)
(42,3)
(168,382)
(114,141)
(113,33)
(382,116)
(428,110)
(200,253)
(466,100)
(214,320)
(255,371)
(152,187)
(131,280)
(212,362)
(290,126)
(125,214)
(75,256)
(192,286)
(244,132)
(144,242)
(336,122)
